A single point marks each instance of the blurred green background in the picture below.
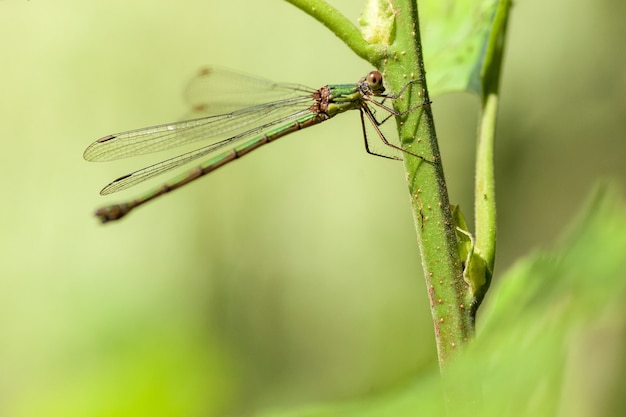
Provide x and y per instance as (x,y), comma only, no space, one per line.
(291,276)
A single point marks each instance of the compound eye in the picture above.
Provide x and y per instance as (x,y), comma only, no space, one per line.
(375,80)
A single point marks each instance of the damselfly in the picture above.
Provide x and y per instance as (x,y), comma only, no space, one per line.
(240,130)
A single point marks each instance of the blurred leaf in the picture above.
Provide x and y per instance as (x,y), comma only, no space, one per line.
(553,341)
(555,332)
(455,37)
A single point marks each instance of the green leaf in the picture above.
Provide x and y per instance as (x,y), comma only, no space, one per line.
(475,270)
(553,342)
(455,38)
(555,332)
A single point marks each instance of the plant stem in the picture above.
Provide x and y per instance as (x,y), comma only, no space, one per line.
(485,191)
(447,290)
(402,61)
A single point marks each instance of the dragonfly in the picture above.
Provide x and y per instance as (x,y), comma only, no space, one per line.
(258,112)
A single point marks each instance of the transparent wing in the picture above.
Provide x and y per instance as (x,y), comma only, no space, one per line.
(251,101)
(217,90)
(224,146)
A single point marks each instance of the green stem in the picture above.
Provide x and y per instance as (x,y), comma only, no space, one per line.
(447,290)
(402,61)
(485,192)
